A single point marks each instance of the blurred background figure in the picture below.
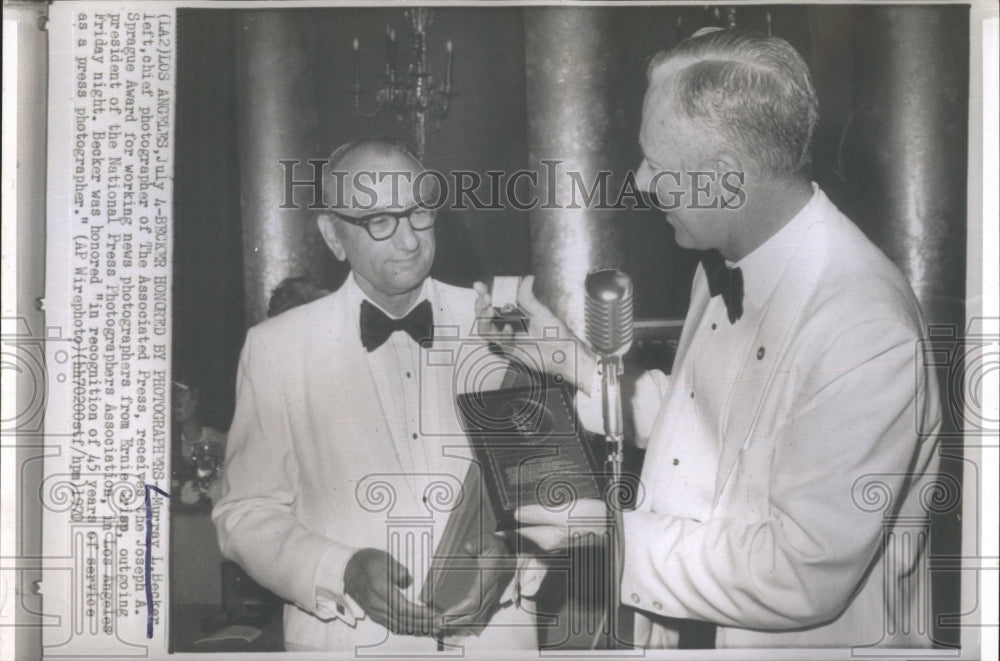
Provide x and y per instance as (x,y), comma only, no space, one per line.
(201,448)
(293,292)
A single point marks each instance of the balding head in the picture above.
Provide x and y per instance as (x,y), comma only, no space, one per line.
(352,162)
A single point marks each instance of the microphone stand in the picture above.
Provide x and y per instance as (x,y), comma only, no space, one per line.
(614,434)
(608,315)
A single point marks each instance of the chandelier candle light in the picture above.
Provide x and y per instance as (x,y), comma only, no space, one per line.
(412,99)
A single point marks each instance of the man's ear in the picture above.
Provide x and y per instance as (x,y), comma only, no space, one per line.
(727,160)
(328,228)
(729,168)
(733,174)
(720,161)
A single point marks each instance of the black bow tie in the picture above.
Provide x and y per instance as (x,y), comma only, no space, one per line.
(376,326)
(726,281)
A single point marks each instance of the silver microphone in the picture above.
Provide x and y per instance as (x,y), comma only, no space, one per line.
(608,312)
(608,316)
(609,320)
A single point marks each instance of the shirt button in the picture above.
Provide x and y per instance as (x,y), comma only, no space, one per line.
(414,436)
(657,605)
(676,462)
(692,394)
(713,326)
(407,375)
(760,353)
(635,598)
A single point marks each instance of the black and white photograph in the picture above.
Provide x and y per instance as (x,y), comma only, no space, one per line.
(500,330)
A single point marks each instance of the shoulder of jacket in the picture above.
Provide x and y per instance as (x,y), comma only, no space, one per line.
(300,321)
(454,292)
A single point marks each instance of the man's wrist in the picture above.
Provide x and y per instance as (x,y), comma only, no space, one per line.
(330,589)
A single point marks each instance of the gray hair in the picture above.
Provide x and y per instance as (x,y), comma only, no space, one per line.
(752,90)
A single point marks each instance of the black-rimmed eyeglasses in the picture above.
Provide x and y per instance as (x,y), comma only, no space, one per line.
(381,225)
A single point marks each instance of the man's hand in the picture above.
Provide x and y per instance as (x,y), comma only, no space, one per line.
(586,521)
(543,326)
(497,566)
(374,580)
(485,313)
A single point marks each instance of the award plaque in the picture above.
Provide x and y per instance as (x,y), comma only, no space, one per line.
(530,448)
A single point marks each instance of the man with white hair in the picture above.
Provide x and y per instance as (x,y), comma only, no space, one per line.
(797,390)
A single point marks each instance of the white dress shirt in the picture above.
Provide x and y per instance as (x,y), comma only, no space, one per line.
(763,437)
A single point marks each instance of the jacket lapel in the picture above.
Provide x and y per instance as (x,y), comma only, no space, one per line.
(751,404)
(439,387)
(699,301)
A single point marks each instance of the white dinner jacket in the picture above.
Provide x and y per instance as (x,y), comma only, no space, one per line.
(815,531)
(312,467)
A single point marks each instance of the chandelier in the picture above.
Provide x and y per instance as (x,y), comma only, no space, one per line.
(417,103)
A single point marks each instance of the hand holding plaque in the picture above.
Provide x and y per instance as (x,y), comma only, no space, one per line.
(375,580)
(497,311)
(556,530)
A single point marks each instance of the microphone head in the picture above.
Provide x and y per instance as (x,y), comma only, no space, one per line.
(608,312)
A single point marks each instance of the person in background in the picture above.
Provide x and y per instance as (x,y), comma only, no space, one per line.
(202,448)
(293,292)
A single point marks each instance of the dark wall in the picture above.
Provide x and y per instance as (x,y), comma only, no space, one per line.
(208,318)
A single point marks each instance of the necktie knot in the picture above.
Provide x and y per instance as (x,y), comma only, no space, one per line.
(726,281)
(377,326)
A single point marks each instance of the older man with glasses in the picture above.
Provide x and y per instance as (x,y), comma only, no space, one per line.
(341,438)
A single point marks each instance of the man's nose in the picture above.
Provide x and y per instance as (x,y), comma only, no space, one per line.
(405,237)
